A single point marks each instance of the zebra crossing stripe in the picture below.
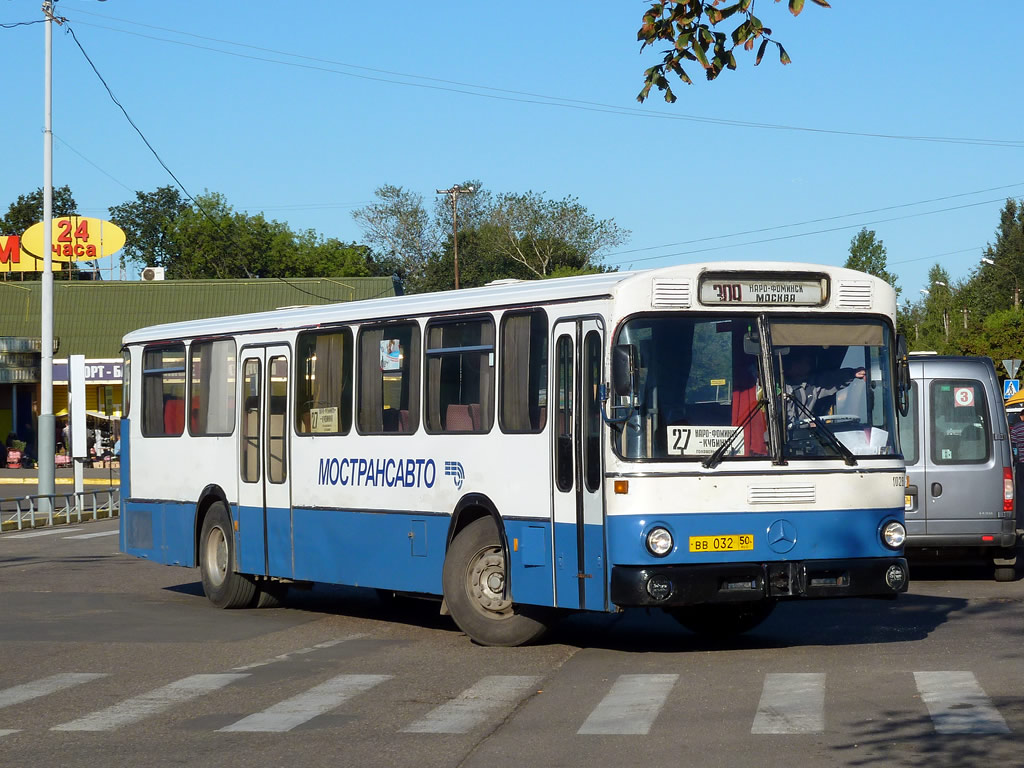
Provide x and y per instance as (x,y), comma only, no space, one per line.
(791,703)
(300,709)
(7,732)
(94,535)
(476,704)
(631,706)
(48,532)
(45,686)
(140,707)
(958,704)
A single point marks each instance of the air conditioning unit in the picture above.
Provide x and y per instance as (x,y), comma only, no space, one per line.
(152,273)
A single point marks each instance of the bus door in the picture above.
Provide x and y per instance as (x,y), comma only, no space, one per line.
(264,487)
(578,474)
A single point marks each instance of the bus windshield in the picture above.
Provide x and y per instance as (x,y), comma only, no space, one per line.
(701,383)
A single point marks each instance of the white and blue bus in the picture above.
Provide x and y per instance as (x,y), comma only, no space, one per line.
(708,439)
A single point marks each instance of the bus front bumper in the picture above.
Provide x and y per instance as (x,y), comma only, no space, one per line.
(674,585)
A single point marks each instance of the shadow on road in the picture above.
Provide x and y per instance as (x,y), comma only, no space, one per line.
(823,623)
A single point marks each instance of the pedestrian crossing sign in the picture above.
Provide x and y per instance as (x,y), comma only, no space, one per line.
(1010,388)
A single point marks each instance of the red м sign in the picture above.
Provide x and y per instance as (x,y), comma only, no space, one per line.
(14,259)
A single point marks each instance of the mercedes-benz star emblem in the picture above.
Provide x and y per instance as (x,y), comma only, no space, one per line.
(782,536)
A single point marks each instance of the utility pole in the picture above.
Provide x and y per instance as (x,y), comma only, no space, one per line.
(454,193)
(45,435)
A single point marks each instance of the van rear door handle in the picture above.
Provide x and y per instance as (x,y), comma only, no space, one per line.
(936,489)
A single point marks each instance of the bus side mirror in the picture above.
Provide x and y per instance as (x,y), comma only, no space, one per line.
(902,376)
(624,370)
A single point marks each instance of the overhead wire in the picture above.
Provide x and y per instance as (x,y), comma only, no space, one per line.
(166,168)
(519,96)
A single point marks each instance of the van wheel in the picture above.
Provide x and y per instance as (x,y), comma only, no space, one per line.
(217,560)
(721,621)
(1005,568)
(474,579)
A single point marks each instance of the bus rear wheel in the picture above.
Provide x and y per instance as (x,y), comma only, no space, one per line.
(722,620)
(223,586)
(474,582)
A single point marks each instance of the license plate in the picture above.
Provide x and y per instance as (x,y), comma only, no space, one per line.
(732,542)
(908,502)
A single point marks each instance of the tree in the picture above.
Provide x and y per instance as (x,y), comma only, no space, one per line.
(148,224)
(685,25)
(998,283)
(28,210)
(938,315)
(545,235)
(867,254)
(400,230)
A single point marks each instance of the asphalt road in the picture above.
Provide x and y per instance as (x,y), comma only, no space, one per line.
(108,660)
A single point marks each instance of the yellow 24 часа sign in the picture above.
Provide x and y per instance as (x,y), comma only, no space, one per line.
(75,238)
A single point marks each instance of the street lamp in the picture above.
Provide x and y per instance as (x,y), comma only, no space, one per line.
(454,193)
(1016,283)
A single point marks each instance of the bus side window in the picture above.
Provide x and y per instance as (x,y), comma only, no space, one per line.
(524,372)
(564,478)
(323,383)
(163,391)
(460,376)
(212,387)
(389,373)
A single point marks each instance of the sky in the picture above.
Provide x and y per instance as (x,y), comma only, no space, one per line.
(900,117)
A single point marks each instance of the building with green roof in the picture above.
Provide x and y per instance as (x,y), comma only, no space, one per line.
(91,317)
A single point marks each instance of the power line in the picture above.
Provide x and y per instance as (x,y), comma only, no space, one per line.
(166,168)
(525,96)
(821,220)
(803,234)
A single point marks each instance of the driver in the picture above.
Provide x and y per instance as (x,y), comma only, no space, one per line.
(809,386)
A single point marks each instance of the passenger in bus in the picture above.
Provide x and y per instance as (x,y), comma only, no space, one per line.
(811,387)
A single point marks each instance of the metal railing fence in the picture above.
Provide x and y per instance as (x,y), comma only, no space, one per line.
(23,512)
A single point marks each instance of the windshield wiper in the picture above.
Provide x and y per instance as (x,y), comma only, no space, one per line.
(825,431)
(715,458)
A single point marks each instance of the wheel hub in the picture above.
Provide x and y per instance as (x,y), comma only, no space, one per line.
(487,582)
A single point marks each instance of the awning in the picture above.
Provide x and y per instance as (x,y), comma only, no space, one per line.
(98,415)
(1016,399)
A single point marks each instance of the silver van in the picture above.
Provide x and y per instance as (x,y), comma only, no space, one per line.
(955,438)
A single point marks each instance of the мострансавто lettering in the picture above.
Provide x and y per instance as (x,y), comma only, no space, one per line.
(378,473)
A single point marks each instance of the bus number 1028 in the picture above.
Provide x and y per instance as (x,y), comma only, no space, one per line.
(728,292)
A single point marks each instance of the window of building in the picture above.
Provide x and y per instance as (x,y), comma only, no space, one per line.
(389,370)
(212,381)
(524,372)
(323,383)
(460,376)
(163,391)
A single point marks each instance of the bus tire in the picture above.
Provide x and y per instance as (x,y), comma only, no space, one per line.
(223,586)
(722,620)
(473,579)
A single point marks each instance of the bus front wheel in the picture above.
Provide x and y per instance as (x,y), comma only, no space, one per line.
(223,587)
(722,620)
(474,584)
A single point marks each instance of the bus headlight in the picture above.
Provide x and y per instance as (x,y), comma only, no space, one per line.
(894,534)
(659,541)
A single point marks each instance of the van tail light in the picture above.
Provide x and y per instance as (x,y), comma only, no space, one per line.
(1007,489)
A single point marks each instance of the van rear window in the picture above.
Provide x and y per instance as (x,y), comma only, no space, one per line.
(909,441)
(960,429)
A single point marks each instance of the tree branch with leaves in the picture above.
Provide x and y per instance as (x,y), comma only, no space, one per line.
(686,26)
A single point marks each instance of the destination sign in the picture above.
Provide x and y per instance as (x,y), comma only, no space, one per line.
(762,290)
